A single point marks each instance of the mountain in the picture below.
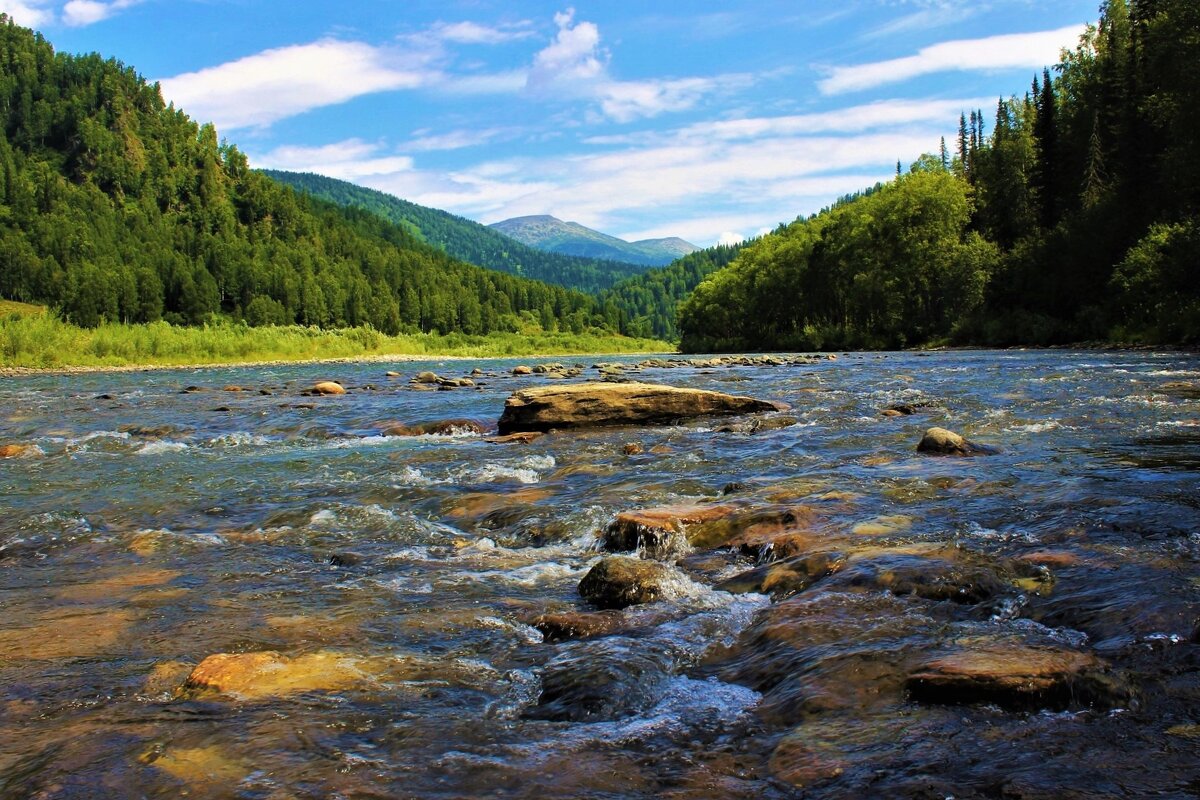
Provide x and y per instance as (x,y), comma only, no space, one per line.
(468,240)
(115,206)
(553,235)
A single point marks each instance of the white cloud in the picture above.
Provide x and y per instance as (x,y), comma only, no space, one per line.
(730,237)
(347,160)
(30,13)
(575,66)
(453,140)
(474,33)
(1032,50)
(573,57)
(275,84)
(78,13)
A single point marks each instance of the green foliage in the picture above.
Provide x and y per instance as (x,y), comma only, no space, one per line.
(647,305)
(1076,219)
(44,341)
(894,267)
(464,239)
(117,208)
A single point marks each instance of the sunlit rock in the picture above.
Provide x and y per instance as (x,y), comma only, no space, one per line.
(328,387)
(939,441)
(586,405)
(267,674)
(1015,676)
(655,530)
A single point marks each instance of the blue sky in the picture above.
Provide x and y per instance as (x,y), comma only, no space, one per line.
(706,120)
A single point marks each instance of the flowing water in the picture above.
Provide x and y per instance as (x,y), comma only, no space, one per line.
(147,528)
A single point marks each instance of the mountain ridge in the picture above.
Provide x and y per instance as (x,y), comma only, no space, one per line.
(466,239)
(551,234)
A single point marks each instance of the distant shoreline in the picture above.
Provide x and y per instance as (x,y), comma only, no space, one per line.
(376,358)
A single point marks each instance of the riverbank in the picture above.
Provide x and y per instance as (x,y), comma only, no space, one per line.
(40,344)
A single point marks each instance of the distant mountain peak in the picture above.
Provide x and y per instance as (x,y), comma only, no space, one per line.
(553,235)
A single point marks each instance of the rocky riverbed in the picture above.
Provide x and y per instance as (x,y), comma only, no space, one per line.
(967,574)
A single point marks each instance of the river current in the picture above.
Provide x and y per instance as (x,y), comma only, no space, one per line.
(145,528)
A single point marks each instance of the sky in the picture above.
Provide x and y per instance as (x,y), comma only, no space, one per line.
(707,120)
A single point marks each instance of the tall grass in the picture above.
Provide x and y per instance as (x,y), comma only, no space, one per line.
(45,341)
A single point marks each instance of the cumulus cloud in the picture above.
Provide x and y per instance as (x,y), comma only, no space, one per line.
(572,61)
(79,13)
(730,237)
(275,84)
(575,66)
(30,13)
(1031,50)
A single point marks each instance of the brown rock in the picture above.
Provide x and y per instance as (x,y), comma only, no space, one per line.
(391,374)
(426,377)
(603,404)
(577,624)
(633,449)
(656,529)
(445,427)
(18,450)
(620,581)
(233,389)
(782,579)
(1180,389)
(524,437)
(1013,676)
(269,674)
(940,441)
(522,370)
(328,387)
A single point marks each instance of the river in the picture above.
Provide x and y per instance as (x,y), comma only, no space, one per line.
(146,528)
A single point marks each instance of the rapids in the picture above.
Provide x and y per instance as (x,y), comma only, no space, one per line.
(146,527)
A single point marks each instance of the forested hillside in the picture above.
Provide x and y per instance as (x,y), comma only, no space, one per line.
(1073,214)
(465,239)
(648,303)
(114,206)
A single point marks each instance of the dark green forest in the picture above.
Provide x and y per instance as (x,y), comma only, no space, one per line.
(1071,213)
(465,239)
(115,206)
(647,304)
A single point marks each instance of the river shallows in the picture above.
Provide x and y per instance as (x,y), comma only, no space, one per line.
(151,528)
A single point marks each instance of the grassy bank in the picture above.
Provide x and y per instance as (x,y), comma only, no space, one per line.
(43,341)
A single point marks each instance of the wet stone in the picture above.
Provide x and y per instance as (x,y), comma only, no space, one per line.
(1016,676)
(782,579)
(578,624)
(270,674)
(328,387)
(939,441)
(656,530)
(619,581)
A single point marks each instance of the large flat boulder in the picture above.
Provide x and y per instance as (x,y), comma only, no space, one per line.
(589,405)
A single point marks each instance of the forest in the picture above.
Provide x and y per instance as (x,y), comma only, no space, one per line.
(466,239)
(1070,214)
(115,207)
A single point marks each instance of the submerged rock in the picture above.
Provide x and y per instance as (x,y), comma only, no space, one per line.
(525,437)
(19,450)
(1015,676)
(940,441)
(1180,389)
(620,581)
(328,387)
(577,624)
(587,405)
(445,427)
(781,579)
(268,674)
